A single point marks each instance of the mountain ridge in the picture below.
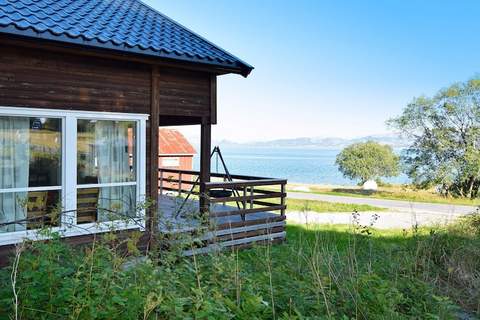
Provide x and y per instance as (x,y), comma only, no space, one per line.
(321,142)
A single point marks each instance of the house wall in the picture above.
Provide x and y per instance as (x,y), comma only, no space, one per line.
(46,78)
(184,93)
(185,162)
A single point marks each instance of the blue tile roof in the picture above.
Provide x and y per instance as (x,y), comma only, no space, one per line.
(125,25)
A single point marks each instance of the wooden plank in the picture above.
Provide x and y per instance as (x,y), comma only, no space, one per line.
(246,211)
(237,184)
(175,120)
(226,244)
(242,229)
(205,150)
(247,234)
(237,233)
(213,99)
(46,79)
(152,170)
(184,93)
(266,204)
(219,175)
(275,218)
(247,198)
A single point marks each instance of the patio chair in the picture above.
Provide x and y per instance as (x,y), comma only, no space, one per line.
(37,209)
(87,202)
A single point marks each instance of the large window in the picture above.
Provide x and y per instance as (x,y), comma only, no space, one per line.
(63,169)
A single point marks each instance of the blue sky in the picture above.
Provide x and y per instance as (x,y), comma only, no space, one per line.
(330,68)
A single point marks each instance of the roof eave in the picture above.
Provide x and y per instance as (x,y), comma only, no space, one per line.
(239,67)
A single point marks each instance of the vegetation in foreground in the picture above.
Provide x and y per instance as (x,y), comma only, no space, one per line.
(319,273)
(325,206)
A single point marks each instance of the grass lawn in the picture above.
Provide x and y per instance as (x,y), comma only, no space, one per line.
(396,192)
(318,273)
(345,273)
(324,206)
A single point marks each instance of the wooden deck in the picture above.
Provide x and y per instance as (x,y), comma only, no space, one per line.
(217,233)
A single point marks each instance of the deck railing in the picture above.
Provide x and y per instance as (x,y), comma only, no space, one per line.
(245,194)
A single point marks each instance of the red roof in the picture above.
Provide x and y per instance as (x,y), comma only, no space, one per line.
(171,141)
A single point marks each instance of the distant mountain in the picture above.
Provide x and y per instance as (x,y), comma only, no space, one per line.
(324,143)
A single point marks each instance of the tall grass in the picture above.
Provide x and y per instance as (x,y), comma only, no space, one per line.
(341,272)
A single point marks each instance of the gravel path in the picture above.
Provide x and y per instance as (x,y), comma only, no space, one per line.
(394,205)
(401,214)
(383,220)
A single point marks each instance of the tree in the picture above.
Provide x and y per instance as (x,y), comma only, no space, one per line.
(445,131)
(368,160)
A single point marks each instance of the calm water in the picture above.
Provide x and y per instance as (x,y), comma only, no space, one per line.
(315,166)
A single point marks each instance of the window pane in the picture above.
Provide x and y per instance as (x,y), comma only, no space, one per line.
(30,152)
(105,151)
(105,204)
(171,162)
(21,211)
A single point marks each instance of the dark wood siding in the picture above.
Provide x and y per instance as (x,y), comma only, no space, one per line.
(44,79)
(184,93)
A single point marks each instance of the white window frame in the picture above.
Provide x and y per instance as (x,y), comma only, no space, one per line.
(68,189)
(166,160)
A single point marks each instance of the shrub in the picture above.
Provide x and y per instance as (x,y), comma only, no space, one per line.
(369,160)
(320,273)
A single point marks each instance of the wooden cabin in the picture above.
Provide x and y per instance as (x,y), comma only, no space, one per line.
(175,151)
(75,78)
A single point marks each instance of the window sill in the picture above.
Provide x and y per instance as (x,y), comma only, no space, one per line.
(11,238)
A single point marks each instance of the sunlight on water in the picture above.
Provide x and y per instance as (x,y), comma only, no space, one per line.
(315,166)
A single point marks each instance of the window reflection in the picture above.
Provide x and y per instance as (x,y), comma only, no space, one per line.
(29,210)
(30,157)
(106,151)
(45,152)
(105,204)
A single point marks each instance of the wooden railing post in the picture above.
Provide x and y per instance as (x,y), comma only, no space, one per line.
(282,212)
(244,202)
(251,196)
(180,183)
(161,182)
(205,150)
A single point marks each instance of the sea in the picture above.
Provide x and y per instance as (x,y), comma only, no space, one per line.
(298,165)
